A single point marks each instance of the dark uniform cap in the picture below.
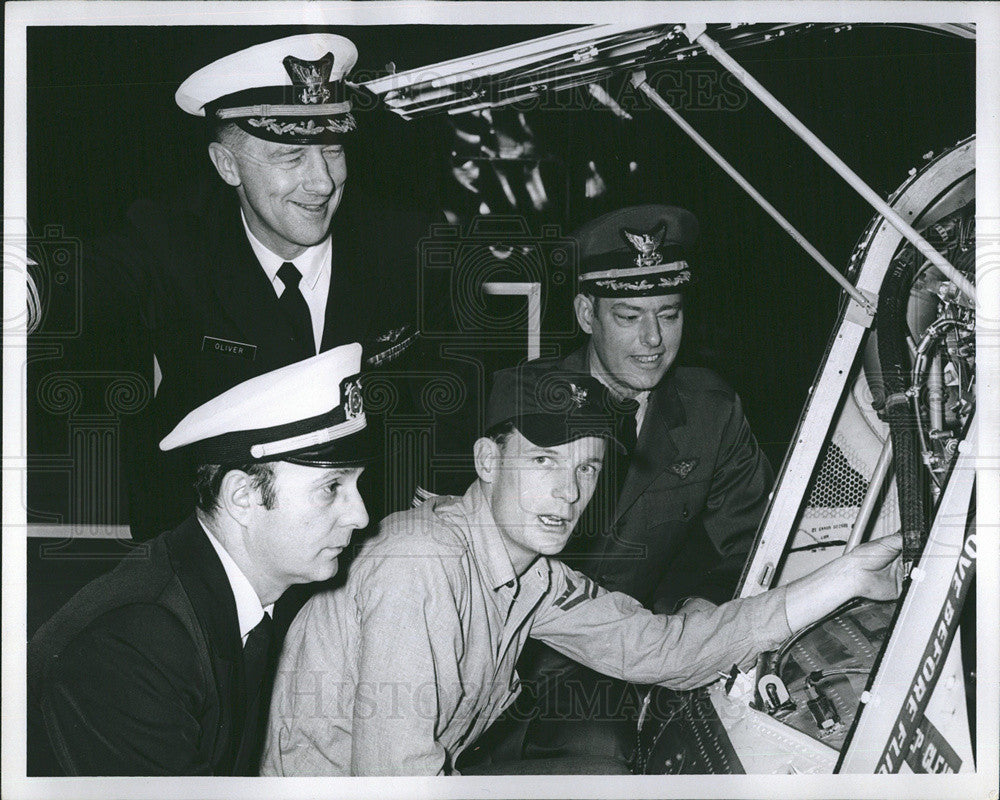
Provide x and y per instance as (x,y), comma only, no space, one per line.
(551,407)
(290,90)
(638,251)
(309,413)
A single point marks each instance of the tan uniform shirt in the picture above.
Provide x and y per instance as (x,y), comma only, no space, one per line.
(397,671)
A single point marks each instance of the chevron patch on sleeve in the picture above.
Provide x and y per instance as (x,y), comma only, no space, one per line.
(576,593)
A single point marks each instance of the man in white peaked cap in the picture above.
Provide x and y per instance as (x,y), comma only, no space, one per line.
(164,665)
(265,268)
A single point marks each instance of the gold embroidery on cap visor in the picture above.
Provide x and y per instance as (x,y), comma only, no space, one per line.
(644,285)
(310,128)
(673,266)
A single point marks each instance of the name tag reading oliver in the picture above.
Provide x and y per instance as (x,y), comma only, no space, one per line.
(228,348)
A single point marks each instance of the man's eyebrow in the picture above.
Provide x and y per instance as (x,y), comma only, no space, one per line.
(331,474)
(670,305)
(534,450)
(283,150)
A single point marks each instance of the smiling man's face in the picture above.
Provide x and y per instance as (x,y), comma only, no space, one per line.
(288,193)
(633,340)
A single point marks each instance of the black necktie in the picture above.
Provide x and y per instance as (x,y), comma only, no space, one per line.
(627,425)
(256,653)
(294,305)
(626,433)
(257,694)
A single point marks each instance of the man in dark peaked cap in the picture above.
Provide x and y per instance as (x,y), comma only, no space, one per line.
(164,665)
(684,510)
(263,269)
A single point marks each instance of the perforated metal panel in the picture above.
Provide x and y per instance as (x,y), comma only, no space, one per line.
(839,484)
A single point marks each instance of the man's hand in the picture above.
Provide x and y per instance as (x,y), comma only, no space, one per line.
(873,570)
(876,568)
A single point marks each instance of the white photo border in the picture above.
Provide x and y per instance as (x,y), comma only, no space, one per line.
(19,16)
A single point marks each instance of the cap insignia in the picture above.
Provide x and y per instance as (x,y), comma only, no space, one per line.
(578,396)
(353,407)
(647,245)
(311,76)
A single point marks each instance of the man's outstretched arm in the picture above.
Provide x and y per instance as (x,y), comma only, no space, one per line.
(614,634)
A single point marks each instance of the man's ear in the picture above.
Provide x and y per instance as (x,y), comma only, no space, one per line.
(583,305)
(486,454)
(225,163)
(237,496)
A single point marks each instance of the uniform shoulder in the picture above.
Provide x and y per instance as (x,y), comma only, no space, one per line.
(548,362)
(146,626)
(576,360)
(138,583)
(434,527)
(425,545)
(183,212)
(700,381)
(170,230)
(138,639)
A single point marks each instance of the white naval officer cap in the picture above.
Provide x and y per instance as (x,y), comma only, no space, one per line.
(288,90)
(309,413)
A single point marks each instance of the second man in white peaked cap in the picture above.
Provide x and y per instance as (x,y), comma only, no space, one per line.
(269,266)
(164,665)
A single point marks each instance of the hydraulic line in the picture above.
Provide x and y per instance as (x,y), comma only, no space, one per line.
(894,357)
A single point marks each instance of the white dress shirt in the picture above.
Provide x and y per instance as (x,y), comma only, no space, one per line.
(642,399)
(313,263)
(249,611)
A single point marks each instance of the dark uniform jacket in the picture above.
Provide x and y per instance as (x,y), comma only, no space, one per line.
(692,500)
(141,673)
(183,283)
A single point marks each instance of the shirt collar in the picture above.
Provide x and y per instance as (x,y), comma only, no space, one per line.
(249,611)
(640,398)
(484,537)
(313,262)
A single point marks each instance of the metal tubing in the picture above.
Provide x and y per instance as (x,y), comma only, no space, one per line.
(831,158)
(935,393)
(639,81)
(875,485)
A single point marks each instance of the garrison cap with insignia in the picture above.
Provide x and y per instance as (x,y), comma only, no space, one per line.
(551,407)
(308,413)
(638,251)
(290,90)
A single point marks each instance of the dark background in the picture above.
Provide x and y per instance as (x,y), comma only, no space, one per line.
(103,130)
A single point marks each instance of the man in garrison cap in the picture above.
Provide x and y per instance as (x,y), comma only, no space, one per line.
(684,509)
(164,665)
(270,265)
(398,671)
